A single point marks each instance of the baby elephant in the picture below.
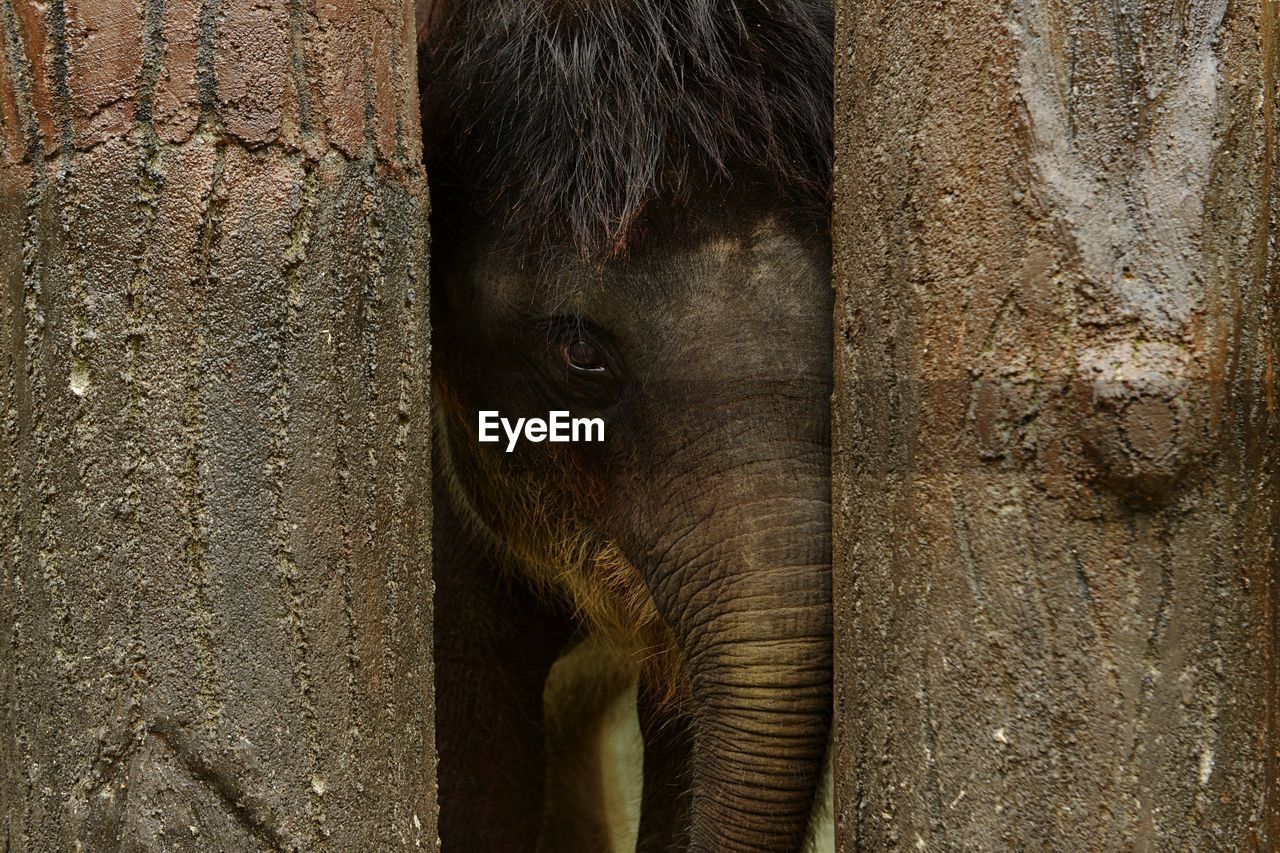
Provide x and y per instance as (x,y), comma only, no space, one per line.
(632,355)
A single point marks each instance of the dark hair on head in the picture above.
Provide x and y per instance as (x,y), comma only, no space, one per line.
(561,120)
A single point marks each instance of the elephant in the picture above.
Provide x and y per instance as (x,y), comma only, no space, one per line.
(630,217)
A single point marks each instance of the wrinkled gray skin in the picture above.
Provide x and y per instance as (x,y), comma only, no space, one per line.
(713,481)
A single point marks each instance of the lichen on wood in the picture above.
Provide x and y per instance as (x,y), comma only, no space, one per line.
(1057,444)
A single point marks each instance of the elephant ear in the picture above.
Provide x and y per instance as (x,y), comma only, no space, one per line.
(430,14)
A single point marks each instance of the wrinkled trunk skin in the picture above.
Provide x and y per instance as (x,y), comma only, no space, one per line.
(760,677)
(214,506)
(746,589)
(762,686)
(1057,437)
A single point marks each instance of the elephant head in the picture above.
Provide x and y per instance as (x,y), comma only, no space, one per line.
(697,533)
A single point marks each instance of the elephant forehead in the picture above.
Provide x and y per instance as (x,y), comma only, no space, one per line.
(738,305)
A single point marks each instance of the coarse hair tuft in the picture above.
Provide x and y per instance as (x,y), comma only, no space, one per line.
(562,121)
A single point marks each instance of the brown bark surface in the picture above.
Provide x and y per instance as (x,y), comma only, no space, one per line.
(1057,437)
(215,603)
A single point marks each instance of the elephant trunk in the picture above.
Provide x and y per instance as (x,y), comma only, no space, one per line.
(757,639)
(761,721)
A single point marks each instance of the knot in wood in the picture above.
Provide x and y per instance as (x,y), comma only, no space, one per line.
(1140,406)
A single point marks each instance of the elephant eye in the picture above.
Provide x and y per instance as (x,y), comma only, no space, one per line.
(582,356)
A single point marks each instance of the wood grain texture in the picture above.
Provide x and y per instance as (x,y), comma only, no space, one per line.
(215,598)
(1057,427)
